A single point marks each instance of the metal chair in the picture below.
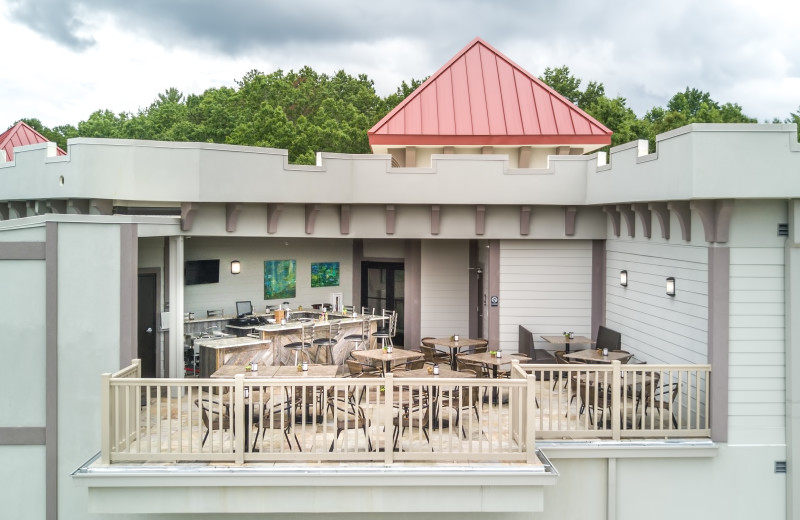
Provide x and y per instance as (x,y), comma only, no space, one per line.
(301,347)
(215,416)
(385,335)
(326,342)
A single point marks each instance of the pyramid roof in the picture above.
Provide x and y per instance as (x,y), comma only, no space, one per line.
(21,134)
(480,97)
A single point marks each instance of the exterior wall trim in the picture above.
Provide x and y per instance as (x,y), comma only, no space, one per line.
(22,436)
(51,371)
(22,250)
(719,268)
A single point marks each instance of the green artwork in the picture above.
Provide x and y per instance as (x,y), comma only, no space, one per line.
(280,279)
(325,274)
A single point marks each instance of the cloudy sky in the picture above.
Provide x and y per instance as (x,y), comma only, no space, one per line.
(64,59)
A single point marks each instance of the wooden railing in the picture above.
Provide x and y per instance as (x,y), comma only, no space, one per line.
(393,419)
(621,401)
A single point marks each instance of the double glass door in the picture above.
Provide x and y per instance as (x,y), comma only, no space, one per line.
(382,287)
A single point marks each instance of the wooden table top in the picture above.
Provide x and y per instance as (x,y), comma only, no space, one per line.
(444,373)
(596,356)
(461,343)
(487,359)
(377,354)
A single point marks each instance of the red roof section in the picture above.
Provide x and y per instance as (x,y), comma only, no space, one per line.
(21,134)
(480,97)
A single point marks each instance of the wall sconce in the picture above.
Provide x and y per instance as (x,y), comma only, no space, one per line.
(236,267)
(670,286)
(623,278)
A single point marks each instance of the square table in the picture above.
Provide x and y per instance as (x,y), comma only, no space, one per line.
(387,358)
(486,358)
(230,371)
(456,346)
(562,340)
(596,356)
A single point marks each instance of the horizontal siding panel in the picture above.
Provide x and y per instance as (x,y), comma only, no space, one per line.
(568,287)
(757,256)
(656,306)
(763,421)
(757,321)
(755,309)
(753,359)
(766,371)
(756,271)
(661,266)
(756,334)
(562,271)
(756,396)
(687,290)
(757,346)
(546,285)
(756,409)
(756,297)
(747,384)
(756,284)
(696,254)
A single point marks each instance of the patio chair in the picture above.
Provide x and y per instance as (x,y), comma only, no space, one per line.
(593,397)
(560,360)
(627,357)
(432,355)
(412,417)
(463,398)
(482,347)
(275,418)
(414,364)
(215,416)
(608,338)
(349,416)
(663,398)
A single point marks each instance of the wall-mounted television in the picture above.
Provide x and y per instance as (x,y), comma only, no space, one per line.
(197,272)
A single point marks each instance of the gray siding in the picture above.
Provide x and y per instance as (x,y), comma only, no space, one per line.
(655,327)
(444,296)
(545,285)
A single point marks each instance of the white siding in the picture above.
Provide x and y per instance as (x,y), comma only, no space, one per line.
(444,296)
(756,383)
(655,327)
(545,285)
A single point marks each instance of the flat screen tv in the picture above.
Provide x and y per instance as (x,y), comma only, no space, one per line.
(196,272)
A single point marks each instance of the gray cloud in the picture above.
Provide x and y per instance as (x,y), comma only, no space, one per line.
(54,20)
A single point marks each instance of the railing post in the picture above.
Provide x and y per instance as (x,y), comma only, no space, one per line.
(238,418)
(138,364)
(530,418)
(616,391)
(388,400)
(105,419)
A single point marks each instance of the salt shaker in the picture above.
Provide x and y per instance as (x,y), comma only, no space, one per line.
(305,366)
(436,370)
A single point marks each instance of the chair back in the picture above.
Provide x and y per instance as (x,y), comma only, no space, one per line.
(482,347)
(627,357)
(560,359)
(608,338)
(428,352)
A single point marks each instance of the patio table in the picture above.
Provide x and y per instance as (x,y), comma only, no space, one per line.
(456,346)
(485,358)
(596,356)
(562,340)
(386,358)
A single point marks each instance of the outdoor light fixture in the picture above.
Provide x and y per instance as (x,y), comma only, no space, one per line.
(236,267)
(623,278)
(670,286)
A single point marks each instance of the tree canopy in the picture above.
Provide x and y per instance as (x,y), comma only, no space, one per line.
(306,112)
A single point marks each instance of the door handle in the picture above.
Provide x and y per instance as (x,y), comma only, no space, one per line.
(149,330)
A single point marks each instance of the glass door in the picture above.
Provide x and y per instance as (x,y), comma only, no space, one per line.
(383,287)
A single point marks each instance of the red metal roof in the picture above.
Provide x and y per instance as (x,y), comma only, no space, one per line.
(21,134)
(480,97)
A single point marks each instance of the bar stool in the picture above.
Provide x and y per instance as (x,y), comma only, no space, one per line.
(327,343)
(300,347)
(385,334)
(359,339)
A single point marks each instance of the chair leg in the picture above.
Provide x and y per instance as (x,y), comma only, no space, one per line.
(205,437)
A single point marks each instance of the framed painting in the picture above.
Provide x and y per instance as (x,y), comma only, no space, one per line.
(324,274)
(280,279)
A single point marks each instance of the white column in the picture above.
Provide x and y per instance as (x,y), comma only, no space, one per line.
(175,348)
